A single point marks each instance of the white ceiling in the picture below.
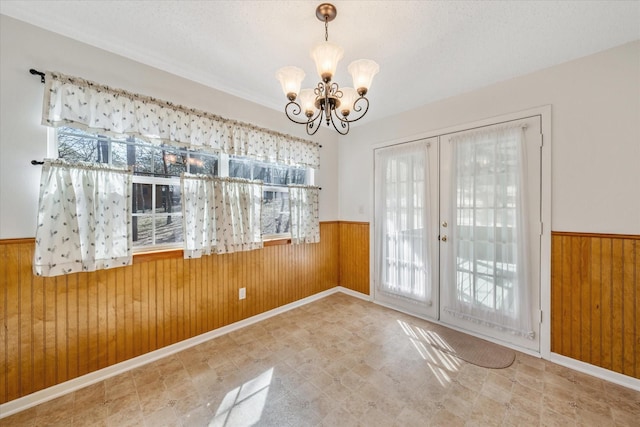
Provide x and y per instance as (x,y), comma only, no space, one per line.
(427,50)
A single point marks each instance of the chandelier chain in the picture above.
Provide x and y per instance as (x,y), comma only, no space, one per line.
(326,28)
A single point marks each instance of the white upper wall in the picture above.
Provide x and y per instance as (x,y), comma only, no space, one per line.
(23,138)
(595,167)
(595,128)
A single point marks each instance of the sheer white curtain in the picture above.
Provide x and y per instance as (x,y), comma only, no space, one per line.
(84,218)
(238,204)
(198,213)
(402,221)
(489,237)
(303,205)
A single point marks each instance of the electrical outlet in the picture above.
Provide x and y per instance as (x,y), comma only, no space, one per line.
(242,293)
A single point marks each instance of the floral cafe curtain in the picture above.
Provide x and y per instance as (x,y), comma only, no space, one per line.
(73,101)
(198,213)
(238,204)
(84,218)
(303,205)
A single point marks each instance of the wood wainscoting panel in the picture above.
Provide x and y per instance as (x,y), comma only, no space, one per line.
(354,256)
(56,329)
(595,299)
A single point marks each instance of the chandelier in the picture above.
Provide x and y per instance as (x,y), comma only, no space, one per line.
(327,101)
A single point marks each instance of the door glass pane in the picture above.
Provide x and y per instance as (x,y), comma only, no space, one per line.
(402,234)
(489,233)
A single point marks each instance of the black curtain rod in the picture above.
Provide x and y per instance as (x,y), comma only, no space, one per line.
(38,73)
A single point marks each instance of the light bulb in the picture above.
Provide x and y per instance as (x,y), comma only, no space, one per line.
(290,78)
(349,96)
(362,72)
(326,56)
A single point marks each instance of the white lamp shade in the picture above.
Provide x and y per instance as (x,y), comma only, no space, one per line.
(349,96)
(290,78)
(326,56)
(362,72)
(307,100)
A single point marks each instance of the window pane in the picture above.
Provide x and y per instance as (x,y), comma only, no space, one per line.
(275,212)
(271,174)
(168,199)
(297,176)
(279,174)
(166,162)
(168,229)
(119,153)
(142,230)
(77,148)
(262,172)
(142,198)
(141,157)
(171,162)
(203,163)
(239,168)
(103,149)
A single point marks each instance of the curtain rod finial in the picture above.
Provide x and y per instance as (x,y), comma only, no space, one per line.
(39,73)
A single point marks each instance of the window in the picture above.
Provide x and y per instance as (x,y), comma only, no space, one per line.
(275,199)
(156,200)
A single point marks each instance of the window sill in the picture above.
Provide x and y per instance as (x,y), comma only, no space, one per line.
(276,242)
(179,253)
(157,255)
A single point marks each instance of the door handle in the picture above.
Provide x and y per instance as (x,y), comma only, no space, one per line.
(444,238)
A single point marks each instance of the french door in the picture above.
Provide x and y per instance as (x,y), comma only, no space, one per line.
(406,221)
(457,230)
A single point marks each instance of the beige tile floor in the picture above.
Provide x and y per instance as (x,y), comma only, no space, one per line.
(339,361)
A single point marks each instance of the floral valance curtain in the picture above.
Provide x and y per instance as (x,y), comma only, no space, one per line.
(303,205)
(84,218)
(73,101)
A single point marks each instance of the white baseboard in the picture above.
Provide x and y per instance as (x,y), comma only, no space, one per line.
(596,371)
(586,368)
(354,293)
(38,397)
(33,399)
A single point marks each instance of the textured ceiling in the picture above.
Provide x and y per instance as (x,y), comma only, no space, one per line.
(427,50)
